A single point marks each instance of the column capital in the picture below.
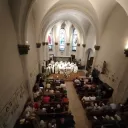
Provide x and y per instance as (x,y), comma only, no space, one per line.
(68,44)
(38,45)
(84,45)
(126,52)
(46,43)
(97,47)
(43,43)
(23,49)
(78,44)
(56,43)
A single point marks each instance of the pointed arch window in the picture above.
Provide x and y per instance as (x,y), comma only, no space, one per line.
(50,40)
(74,40)
(62,39)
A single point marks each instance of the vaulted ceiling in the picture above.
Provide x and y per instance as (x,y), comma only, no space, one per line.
(80,12)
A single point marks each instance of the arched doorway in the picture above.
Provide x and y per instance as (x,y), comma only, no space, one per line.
(90,58)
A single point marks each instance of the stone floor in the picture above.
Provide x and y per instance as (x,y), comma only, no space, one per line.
(76,108)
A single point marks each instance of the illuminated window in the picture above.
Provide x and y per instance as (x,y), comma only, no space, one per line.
(74,40)
(62,39)
(50,41)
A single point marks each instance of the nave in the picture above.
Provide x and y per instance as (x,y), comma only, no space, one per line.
(76,107)
(81,103)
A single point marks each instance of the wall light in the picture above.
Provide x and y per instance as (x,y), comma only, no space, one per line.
(26,42)
(126,49)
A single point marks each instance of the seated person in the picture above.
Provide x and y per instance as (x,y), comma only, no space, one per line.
(36,105)
(51,110)
(90,78)
(58,108)
(57,81)
(65,91)
(89,81)
(58,87)
(29,108)
(57,90)
(51,91)
(85,81)
(42,124)
(36,94)
(113,106)
(52,124)
(35,88)
(65,99)
(44,110)
(82,81)
(41,85)
(62,85)
(88,86)
(77,81)
(92,98)
(57,98)
(48,85)
(62,81)
(85,99)
(46,99)
(66,107)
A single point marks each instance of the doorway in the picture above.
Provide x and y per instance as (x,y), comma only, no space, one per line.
(90,59)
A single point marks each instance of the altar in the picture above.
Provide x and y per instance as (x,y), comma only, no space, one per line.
(59,58)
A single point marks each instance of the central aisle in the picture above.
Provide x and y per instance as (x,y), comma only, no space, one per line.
(76,107)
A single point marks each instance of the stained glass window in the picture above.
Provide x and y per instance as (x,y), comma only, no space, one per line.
(62,39)
(50,41)
(74,40)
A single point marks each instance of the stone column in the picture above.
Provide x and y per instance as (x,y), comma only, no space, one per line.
(56,48)
(97,48)
(83,54)
(44,51)
(47,51)
(38,45)
(67,46)
(78,51)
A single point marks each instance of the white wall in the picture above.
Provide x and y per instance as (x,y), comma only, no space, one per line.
(11,76)
(112,50)
(90,43)
(32,59)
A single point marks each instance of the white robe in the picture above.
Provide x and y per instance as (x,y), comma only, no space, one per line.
(53,69)
(56,69)
(75,69)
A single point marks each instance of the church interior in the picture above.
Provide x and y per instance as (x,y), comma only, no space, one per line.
(64,63)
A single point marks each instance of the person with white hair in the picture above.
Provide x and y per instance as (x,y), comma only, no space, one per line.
(58,108)
(53,69)
(42,124)
(75,68)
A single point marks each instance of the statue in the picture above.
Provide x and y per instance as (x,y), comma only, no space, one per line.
(104,67)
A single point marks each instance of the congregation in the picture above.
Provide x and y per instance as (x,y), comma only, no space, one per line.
(95,98)
(50,105)
(50,108)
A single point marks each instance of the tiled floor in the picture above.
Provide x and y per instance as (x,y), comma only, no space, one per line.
(76,108)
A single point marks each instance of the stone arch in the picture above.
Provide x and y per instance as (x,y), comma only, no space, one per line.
(44,22)
(52,26)
(89,54)
(59,8)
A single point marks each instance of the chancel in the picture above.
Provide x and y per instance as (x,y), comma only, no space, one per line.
(63,64)
(61,68)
